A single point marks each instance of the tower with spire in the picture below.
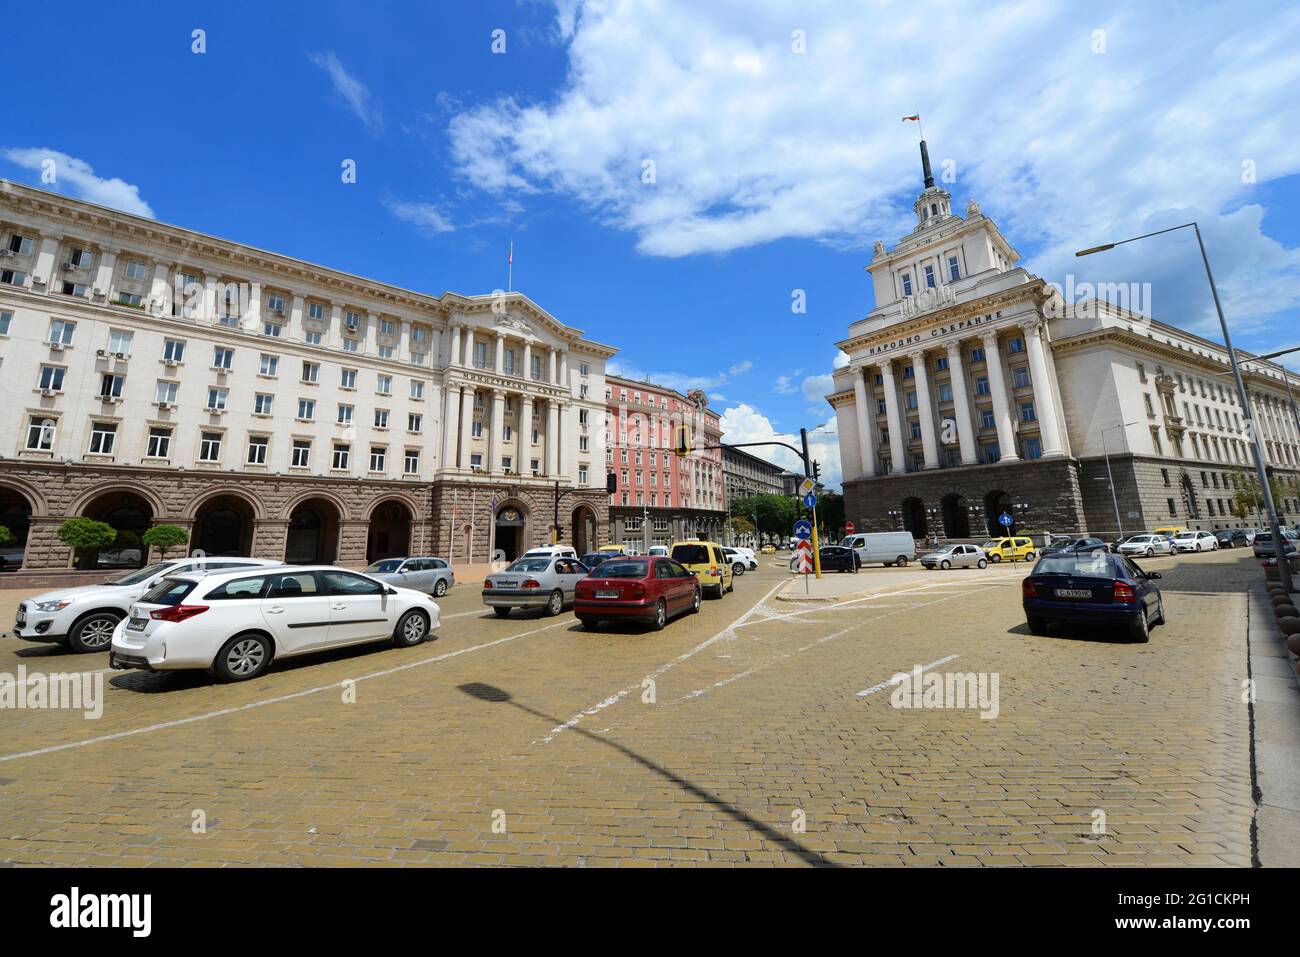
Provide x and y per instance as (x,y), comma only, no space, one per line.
(934,205)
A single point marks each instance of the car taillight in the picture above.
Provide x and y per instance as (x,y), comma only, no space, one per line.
(634,590)
(713,569)
(1027,589)
(177,613)
(487,585)
(532,583)
(1124,592)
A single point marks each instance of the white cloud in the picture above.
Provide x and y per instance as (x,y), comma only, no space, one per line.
(744,423)
(681,381)
(817,387)
(355,94)
(1066,147)
(841,359)
(80,179)
(427,216)
(784,385)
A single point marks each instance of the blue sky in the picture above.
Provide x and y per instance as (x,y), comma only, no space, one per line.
(775,168)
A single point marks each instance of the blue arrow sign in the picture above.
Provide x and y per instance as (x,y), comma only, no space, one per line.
(809,500)
(803,529)
(1005,519)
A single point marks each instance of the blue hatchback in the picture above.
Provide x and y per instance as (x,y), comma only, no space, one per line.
(1094,587)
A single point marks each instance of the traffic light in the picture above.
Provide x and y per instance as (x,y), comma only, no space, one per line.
(682,440)
(611,483)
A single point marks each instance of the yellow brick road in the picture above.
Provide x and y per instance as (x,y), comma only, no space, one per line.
(734,737)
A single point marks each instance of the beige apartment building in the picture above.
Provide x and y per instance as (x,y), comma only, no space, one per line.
(272,407)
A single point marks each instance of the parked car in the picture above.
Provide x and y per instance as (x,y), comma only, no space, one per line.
(1264,547)
(1014,549)
(767,550)
(1169,531)
(751,560)
(551,551)
(888,548)
(659,551)
(707,562)
(431,575)
(594,559)
(11,557)
(119,557)
(955,556)
(836,558)
(1092,588)
(539,581)
(235,623)
(1194,541)
(1086,543)
(651,589)
(740,562)
(84,617)
(1146,544)
(1231,537)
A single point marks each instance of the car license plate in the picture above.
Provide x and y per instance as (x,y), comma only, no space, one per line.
(607,593)
(1073,593)
(137,624)
(507,584)
(21,620)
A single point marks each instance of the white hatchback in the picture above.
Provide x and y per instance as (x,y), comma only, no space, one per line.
(235,623)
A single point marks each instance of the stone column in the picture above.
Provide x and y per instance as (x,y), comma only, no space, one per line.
(866,422)
(104,272)
(961,403)
(524,425)
(495,423)
(334,334)
(564,370)
(897,461)
(527,371)
(925,409)
(469,347)
(563,439)
(499,360)
(454,358)
(45,268)
(466,425)
(160,289)
(554,372)
(1001,407)
(552,436)
(450,426)
(295,330)
(1044,400)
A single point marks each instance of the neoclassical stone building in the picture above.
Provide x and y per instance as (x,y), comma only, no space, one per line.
(974,387)
(272,407)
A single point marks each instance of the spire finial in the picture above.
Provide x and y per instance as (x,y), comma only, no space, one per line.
(925,166)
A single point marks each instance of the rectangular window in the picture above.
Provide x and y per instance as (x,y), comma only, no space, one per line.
(272,329)
(102,437)
(1020,377)
(312,338)
(1033,449)
(411,466)
(51,378)
(385,386)
(945,391)
(480,355)
(40,433)
(381,418)
(909,372)
(476,461)
(120,341)
(417,389)
(270,365)
(351,345)
(1027,413)
(345,414)
(311,372)
(507,463)
(910,400)
(129,299)
(1015,344)
(916,430)
(134,270)
(316,311)
(340,460)
(257,445)
(378,455)
(537,367)
(6,320)
(414,422)
(217,398)
(582,476)
(991,453)
(110,385)
(210,447)
(880,407)
(61,332)
(13,277)
(907,284)
(262,403)
(508,361)
(160,443)
(22,245)
(222,358)
(307,408)
(275,303)
(173,350)
(165,392)
(954,271)
(347,378)
(929,277)
(986,419)
(977,354)
(301,454)
(74,289)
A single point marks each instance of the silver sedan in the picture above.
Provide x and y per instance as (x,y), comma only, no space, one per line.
(541,582)
(956,556)
(433,576)
(1146,545)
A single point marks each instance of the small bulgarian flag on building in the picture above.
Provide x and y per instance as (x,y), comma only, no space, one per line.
(915,116)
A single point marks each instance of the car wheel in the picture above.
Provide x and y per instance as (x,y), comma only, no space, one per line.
(1140,632)
(1030,556)
(1037,626)
(982,563)
(411,629)
(588,622)
(242,658)
(501,612)
(556,603)
(93,632)
(440,589)
(738,569)
(995,558)
(1160,612)
(945,564)
(1151,552)
(661,615)
(695,601)
(901,561)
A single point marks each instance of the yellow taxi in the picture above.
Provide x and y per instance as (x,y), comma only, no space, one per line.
(613,548)
(1015,549)
(767,550)
(1168,530)
(706,562)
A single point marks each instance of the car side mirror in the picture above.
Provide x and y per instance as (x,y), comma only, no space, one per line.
(390,591)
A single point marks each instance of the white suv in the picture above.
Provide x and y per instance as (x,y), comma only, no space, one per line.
(235,623)
(83,618)
(1194,541)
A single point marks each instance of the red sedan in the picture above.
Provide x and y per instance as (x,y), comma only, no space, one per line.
(650,589)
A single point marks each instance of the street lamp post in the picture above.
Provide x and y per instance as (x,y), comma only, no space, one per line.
(1110,477)
(1283,569)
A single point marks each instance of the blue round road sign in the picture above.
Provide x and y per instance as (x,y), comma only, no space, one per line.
(809,500)
(1006,519)
(803,529)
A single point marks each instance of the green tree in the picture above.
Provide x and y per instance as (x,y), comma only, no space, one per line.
(772,515)
(6,536)
(164,537)
(830,514)
(1248,500)
(85,535)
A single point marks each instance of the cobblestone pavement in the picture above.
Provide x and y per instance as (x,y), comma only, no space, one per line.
(754,733)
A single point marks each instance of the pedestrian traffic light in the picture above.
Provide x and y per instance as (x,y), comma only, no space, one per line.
(682,440)
(611,483)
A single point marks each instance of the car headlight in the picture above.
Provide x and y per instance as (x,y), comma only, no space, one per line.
(57,605)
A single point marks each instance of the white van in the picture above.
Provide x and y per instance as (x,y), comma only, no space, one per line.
(551,551)
(889,548)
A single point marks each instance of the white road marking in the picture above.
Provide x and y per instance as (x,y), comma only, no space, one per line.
(276,700)
(900,677)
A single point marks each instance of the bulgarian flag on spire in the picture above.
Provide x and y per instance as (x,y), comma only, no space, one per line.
(916,117)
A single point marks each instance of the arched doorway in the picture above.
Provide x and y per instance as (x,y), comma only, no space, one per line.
(995,503)
(956,520)
(130,515)
(313,533)
(390,531)
(223,525)
(15,515)
(914,517)
(584,529)
(508,532)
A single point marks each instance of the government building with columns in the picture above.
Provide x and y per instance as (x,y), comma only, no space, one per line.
(276,408)
(974,388)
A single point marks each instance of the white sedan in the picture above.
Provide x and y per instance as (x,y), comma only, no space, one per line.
(235,623)
(1146,545)
(1194,541)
